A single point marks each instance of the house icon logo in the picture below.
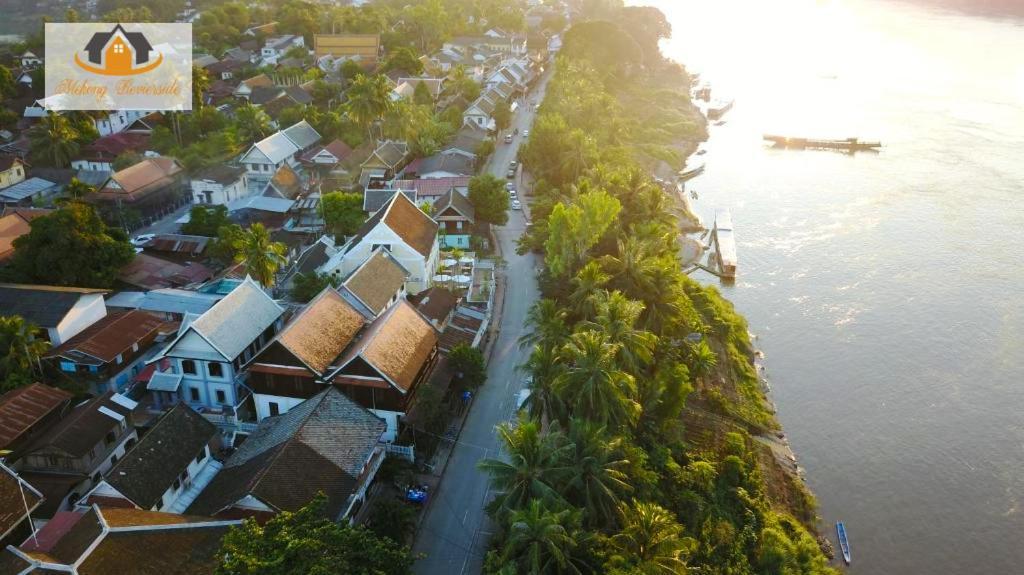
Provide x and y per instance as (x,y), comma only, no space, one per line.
(118,53)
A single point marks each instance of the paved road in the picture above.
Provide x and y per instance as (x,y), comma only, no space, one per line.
(454,533)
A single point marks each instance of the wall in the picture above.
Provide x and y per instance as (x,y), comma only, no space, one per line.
(284,403)
(89,309)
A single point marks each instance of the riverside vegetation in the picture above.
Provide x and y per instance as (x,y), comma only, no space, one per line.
(644,449)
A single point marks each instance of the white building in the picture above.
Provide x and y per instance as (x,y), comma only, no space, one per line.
(219,185)
(62,311)
(265,157)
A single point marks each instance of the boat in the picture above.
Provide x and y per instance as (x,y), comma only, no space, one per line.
(718,108)
(848,144)
(689,173)
(844,544)
(725,244)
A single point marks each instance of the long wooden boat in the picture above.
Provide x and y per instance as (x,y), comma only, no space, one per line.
(725,243)
(849,144)
(844,544)
(689,173)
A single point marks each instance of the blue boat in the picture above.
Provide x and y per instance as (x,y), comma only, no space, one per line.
(844,544)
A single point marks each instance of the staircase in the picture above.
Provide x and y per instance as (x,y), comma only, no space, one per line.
(199,483)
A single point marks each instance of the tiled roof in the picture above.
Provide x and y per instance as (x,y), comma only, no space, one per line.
(321,444)
(179,243)
(237,320)
(340,150)
(44,306)
(377,280)
(113,335)
(452,161)
(455,201)
(161,455)
(147,176)
(302,134)
(408,221)
(322,330)
(22,407)
(220,173)
(13,225)
(149,272)
(397,344)
(276,147)
(285,184)
(374,200)
(84,427)
(26,189)
(12,506)
(313,257)
(436,303)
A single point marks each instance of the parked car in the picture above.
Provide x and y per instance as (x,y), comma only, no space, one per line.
(516,205)
(526,133)
(142,240)
(508,138)
(511,174)
(510,186)
(513,164)
(512,194)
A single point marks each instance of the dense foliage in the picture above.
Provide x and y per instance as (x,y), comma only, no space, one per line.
(640,452)
(206,220)
(21,346)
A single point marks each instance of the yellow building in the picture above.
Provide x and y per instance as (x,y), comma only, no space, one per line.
(363,47)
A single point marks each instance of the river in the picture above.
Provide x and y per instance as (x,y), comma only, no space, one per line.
(886,290)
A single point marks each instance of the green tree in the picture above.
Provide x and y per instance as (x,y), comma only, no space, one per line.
(593,383)
(261,256)
(543,542)
(306,542)
(200,85)
(307,286)
(369,99)
(206,220)
(8,87)
(421,95)
(342,212)
(252,123)
(616,316)
(587,282)
(598,477)
(403,59)
(544,404)
(575,228)
(489,198)
(702,359)
(530,472)
(469,365)
(546,325)
(77,190)
(651,540)
(71,247)
(20,349)
(126,159)
(53,140)
(392,519)
(502,115)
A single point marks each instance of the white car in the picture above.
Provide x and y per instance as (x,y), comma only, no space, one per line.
(526,133)
(516,205)
(140,241)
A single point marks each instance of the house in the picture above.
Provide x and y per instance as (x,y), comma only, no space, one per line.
(226,69)
(276,47)
(265,157)
(328,444)
(374,200)
(286,184)
(428,191)
(437,304)
(327,157)
(469,138)
(364,48)
(219,185)
(204,359)
(171,304)
(245,88)
(78,450)
(447,164)
(239,55)
(109,353)
(100,154)
(272,212)
(166,469)
(177,247)
(18,500)
(481,112)
(455,215)
(30,60)
(493,40)
(12,171)
(14,223)
(150,272)
(62,311)
(311,258)
(115,121)
(376,285)
(405,87)
(466,326)
(26,411)
(146,186)
(384,162)
(401,228)
(107,540)
(204,61)
(28,192)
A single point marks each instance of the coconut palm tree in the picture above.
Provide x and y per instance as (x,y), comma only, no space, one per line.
(651,539)
(369,98)
(532,469)
(630,266)
(252,122)
(547,325)
(543,404)
(23,348)
(598,475)
(261,256)
(54,140)
(541,541)
(702,360)
(616,316)
(587,282)
(592,383)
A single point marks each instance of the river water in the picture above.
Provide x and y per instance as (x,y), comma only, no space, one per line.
(887,290)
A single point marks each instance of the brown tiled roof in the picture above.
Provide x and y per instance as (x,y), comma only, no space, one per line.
(54,487)
(65,538)
(12,507)
(21,408)
(377,280)
(134,182)
(408,221)
(322,330)
(148,272)
(7,161)
(112,335)
(82,429)
(436,303)
(286,182)
(397,345)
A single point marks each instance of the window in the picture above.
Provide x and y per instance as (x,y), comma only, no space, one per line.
(96,477)
(177,484)
(201,456)
(221,397)
(385,246)
(113,460)
(135,346)
(194,393)
(119,48)
(188,367)
(215,369)
(129,444)
(109,438)
(274,408)
(118,359)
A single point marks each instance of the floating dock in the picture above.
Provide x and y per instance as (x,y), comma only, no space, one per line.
(847,145)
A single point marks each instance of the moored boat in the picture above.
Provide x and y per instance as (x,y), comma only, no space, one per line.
(690,172)
(725,244)
(844,544)
(848,144)
(718,108)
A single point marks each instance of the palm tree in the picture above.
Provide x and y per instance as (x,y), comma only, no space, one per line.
(75,191)
(532,470)
(262,257)
(23,349)
(631,266)
(200,84)
(543,404)
(54,140)
(369,98)
(664,305)
(651,539)
(702,360)
(592,383)
(541,541)
(598,473)
(587,281)
(546,322)
(253,123)
(616,317)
